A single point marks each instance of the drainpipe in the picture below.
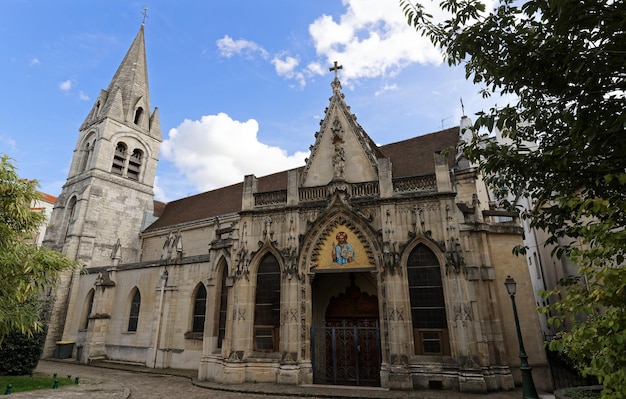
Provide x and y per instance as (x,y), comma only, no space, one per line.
(158,327)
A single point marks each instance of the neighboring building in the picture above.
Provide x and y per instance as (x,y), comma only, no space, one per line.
(44,205)
(369,265)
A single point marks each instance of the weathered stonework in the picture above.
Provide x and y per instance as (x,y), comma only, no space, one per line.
(340,238)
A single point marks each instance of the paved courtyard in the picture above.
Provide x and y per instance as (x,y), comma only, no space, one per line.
(131,382)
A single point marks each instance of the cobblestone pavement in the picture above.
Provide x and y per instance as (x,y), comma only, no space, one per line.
(122,382)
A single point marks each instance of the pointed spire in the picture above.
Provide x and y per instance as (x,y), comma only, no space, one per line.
(132,78)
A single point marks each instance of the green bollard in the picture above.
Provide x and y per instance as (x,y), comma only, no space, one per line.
(56,384)
(69,376)
(76,381)
(8,391)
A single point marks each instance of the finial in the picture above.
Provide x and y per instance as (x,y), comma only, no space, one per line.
(462,107)
(145,14)
(335,68)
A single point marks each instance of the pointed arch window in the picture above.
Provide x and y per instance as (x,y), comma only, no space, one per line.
(87,310)
(86,156)
(133,317)
(70,213)
(199,309)
(119,159)
(138,115)
(428,307)
(267,305)
(221,324)
(134,164)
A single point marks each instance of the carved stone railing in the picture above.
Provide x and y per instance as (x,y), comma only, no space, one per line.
(270,198)
(313,193)
(415,183)
(367,189)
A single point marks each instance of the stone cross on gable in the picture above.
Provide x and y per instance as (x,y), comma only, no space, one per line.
(335,68)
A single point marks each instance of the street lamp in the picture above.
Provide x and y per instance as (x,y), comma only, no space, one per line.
(528,385)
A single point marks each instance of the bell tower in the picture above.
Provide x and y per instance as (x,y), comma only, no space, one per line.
(109,188)
(108,194)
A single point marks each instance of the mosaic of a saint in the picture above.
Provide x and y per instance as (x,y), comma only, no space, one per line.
(342,251)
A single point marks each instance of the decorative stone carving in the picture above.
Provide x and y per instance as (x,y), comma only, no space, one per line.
(454,255)
(116,253)
(463,312)
(396,314)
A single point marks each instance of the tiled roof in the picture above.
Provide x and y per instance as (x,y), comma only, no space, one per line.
(415,156)
(411,157)
(51,199)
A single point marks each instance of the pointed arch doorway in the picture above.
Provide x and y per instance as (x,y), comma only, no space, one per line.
(345,337)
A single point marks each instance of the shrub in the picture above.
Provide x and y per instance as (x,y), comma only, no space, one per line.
(20,353)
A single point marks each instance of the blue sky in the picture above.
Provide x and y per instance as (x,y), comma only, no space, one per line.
(240,85)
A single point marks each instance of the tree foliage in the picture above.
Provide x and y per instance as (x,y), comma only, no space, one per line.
(564,145)
(26,271)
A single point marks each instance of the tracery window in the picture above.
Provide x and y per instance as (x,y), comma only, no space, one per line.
(428,307)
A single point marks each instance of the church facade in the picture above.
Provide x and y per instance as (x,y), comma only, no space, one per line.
(369,265)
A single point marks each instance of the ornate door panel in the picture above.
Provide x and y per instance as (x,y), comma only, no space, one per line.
(346,348)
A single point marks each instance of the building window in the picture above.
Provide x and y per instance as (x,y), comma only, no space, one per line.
(133,318)
(138,114)
(86,156)
(87,310)
(221,324)
(428,308)
(119,159)
(134,164)
(267,306)
(199,309)
(70,216)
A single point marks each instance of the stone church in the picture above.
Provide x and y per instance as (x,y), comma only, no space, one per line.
(367,266)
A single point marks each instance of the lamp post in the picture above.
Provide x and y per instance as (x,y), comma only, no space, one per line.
(528,385)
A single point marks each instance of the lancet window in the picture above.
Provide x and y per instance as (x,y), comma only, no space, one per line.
(428,308)
(267,306)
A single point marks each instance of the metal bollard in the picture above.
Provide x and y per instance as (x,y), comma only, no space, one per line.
(8,391)
(76,381)
(56,384)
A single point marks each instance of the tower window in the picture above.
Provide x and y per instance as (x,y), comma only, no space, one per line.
(134,164)
(119,159)
(138,114)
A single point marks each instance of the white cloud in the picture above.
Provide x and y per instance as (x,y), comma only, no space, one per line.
(83,96)
(286,67)
(371,39)
(35,61)
(386,88)
(216,151)
(229,47)
(65,86)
